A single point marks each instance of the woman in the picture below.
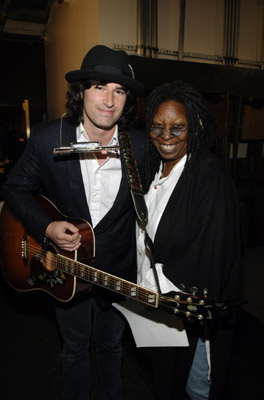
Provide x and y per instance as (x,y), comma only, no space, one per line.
(193,223)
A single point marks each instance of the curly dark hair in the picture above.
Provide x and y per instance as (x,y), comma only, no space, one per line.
(74,105)
(201,123)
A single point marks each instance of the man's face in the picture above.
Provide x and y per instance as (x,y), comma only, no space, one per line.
(103,105)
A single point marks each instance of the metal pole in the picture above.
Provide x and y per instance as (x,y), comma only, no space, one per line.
(181,29)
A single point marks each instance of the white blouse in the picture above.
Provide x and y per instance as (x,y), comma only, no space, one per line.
(156,200)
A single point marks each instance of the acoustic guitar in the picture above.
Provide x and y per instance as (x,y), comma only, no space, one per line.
(27,266)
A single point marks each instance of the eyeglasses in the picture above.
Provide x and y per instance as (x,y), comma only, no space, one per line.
(175,131)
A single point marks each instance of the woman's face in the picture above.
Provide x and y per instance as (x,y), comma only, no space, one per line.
(170,115)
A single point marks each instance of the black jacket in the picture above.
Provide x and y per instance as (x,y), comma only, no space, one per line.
(197,241)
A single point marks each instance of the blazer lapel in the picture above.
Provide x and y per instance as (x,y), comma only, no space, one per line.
(164,222)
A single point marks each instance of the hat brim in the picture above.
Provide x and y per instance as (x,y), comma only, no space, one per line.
(81,75)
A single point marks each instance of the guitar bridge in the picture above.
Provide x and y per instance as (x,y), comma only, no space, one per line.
(24,249)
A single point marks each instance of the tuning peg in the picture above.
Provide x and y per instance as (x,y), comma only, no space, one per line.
(205,292)
(182,287)
(194,290)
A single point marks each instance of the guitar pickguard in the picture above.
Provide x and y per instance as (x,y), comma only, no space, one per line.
(40,276)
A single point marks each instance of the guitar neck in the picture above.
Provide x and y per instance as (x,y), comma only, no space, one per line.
(107,281)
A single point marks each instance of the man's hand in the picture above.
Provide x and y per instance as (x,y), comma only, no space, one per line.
(64,235)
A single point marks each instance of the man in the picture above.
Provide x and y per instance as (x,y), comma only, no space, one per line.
(91,186)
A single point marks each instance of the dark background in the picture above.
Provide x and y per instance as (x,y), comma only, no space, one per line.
(30,350)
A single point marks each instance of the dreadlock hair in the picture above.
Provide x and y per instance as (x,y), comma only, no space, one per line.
(74,104)
(201,123)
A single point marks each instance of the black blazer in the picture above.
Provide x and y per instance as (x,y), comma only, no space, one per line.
(60,179)
(197,240)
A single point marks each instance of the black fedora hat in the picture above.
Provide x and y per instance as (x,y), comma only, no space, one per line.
(101,62)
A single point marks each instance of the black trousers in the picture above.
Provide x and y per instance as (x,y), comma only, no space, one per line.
(77,323)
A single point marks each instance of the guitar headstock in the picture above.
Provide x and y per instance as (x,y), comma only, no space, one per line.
(190,306)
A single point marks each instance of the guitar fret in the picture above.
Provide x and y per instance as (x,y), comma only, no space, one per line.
(151,298)
(118,286)
(66,263)
(106,280)
(147,298)
(114,284)
(95,276)
(72,268)
(133,291)
(82,273)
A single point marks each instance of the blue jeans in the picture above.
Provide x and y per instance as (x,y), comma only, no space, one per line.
(198,385)
(76,325)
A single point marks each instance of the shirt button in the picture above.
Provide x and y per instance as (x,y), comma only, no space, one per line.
(155,187)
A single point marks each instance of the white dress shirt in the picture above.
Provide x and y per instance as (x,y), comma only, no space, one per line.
(101,182)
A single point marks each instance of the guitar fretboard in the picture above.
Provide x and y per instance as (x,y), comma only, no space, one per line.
(108,281)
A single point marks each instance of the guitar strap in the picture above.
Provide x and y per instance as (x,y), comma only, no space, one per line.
(137,194)
(133,177)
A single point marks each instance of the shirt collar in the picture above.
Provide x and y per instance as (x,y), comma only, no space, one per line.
(82,136)
(177,169)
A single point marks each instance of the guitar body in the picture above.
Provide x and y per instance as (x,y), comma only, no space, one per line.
(23,259)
